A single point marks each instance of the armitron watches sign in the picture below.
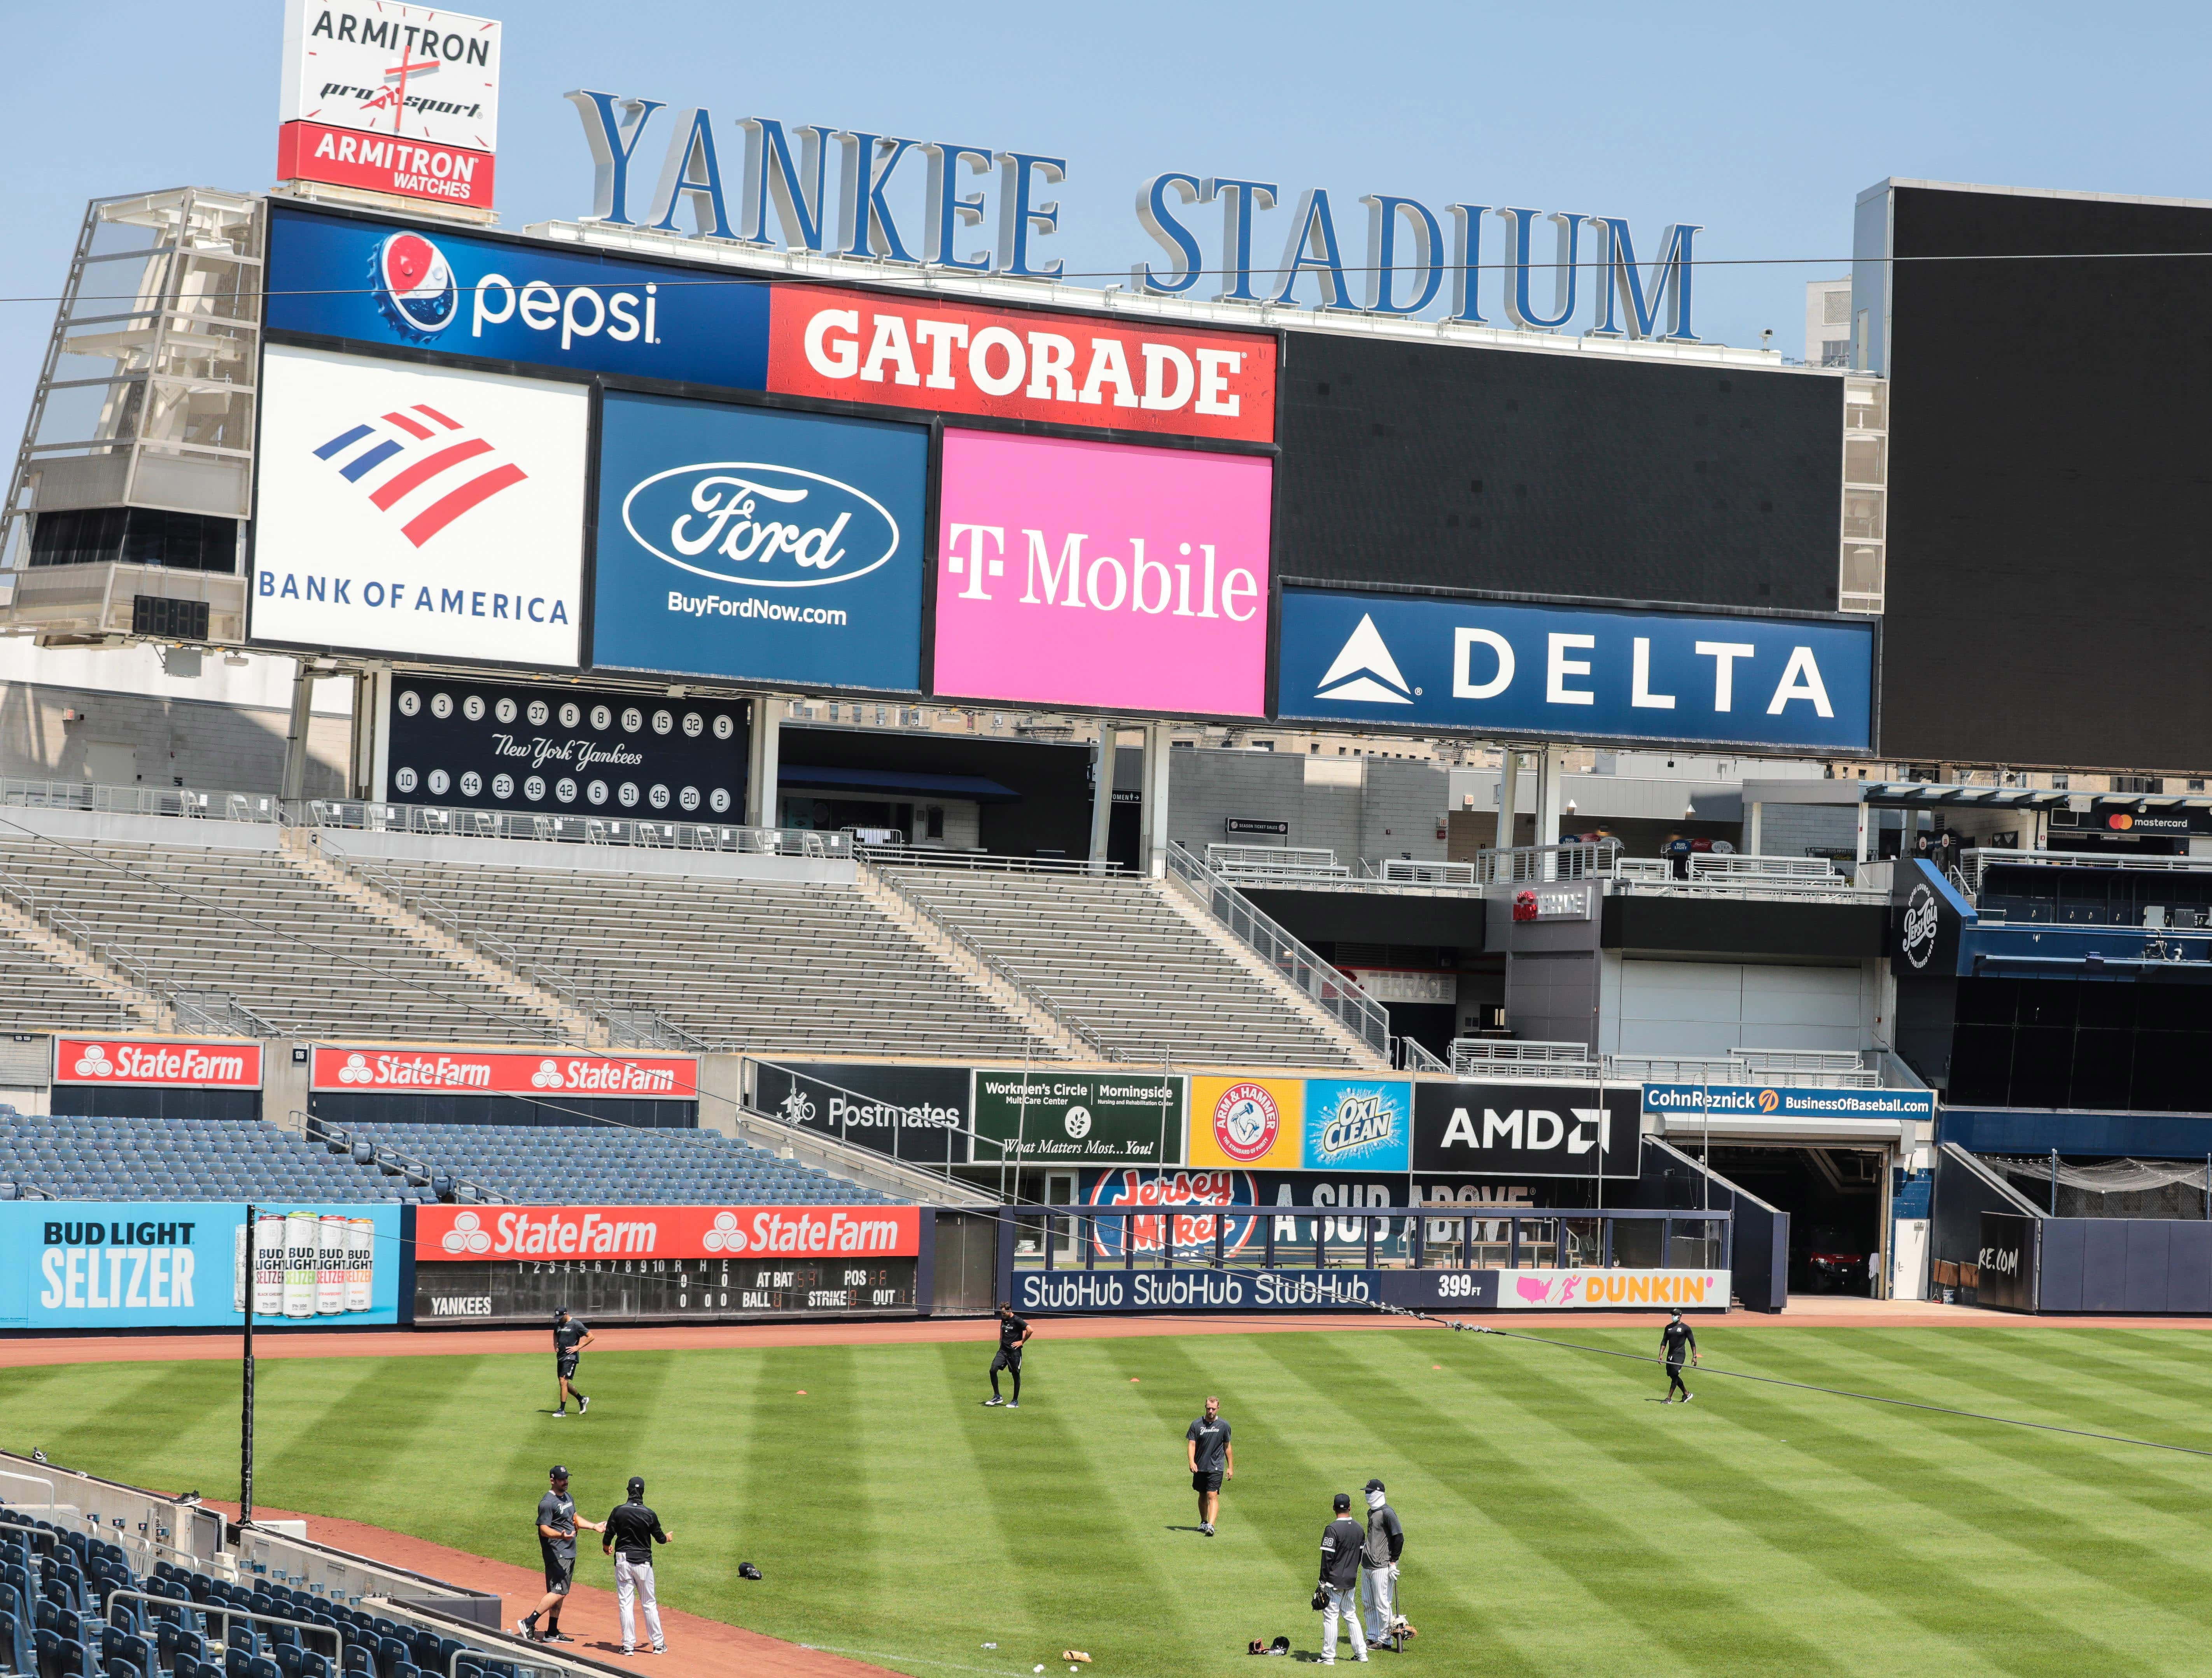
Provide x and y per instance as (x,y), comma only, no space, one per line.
(175,1066)
(495,1071)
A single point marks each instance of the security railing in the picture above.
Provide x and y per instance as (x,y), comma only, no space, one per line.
(1410,870)
(362,816)
(1531,864)
(1360,1014)
(1414,1056)
(1976,862)
(1494,1057)
(1824,1069)
(929,856)
(186,802)
(1268,863)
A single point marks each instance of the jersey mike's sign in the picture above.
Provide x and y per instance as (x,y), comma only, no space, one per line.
(389,98)
(456,1235)
(175,1066)
(526,1072)
(1018,364)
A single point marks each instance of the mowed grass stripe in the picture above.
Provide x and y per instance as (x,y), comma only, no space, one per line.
(1949,1602)
(1661,1595)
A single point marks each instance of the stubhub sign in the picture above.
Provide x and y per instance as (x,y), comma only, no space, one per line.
(1556,672)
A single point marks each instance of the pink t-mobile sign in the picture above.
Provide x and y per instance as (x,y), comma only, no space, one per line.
(1100,575)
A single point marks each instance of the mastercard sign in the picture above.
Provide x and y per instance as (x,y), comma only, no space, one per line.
(1249,1122)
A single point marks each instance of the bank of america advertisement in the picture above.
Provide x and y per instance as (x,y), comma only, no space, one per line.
(1561,672)
(186,1264)
(418,510)
(756,544)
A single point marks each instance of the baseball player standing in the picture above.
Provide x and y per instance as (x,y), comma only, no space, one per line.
(1378,1564)
(557,1543)
(1213,1459)
(1341,1543)
(570,1337)
(1677,1340)
(631,1532)
(1013,1335)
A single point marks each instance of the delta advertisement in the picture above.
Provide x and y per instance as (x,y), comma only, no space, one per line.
(1561,672)
(952,358)
(99,1264)
(757,545)
(527,302)
(1058,1118)
(418,511)
(1085,573)
(488,746)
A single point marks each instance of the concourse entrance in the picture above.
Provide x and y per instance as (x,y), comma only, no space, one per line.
(1835,1196)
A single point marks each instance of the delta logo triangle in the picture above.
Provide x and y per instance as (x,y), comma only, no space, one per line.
(1365,671)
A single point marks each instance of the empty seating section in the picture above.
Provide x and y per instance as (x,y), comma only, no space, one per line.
(63,1615)
(297,956)
(1118,959)
(539,1166)
(180,1159)
(768,967)
(37,993)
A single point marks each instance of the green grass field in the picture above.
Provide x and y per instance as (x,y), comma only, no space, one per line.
(1559,1521)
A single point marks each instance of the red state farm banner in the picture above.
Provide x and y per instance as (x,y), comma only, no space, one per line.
(1020,364)
(505,1073)
(175,1066)
(455,1234)
(385,163)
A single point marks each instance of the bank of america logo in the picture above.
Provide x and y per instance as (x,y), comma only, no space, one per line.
(1365,671)
(420,465)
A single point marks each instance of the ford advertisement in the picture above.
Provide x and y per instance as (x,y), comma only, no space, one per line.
(755,544)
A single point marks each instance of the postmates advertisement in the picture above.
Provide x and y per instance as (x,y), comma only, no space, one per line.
(458,1234)
(953,358)
(1247,1123)
(1124,577)
(1596,1290)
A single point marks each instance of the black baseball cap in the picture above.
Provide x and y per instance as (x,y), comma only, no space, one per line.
(562,1312)
(557,1472)
(1343,1501)
(1373,1485)
(636,1486)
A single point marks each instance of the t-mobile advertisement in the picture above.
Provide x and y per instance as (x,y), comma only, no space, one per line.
(1126,578)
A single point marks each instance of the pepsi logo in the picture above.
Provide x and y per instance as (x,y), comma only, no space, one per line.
(415,285)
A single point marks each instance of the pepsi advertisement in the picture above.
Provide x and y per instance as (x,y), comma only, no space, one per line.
(760,545)
(1562,672)
(401,287)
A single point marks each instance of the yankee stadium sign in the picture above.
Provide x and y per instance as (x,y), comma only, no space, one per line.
(650,162)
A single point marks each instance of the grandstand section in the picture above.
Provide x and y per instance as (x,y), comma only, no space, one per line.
(1121,959)
(541,1166)
(182,1159)
(53,989)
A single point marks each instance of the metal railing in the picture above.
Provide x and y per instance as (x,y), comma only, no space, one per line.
(1004,966)
(1976,862)
(358,815)
(1475,1057)
(928,856)
(1823,1069)
(1414,1056)
(176,801)
(1802,878)
(1523,865)
(1360,1014)
(1274,862)
(1409,871)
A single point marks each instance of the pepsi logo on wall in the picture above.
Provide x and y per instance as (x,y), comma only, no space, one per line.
(564,750)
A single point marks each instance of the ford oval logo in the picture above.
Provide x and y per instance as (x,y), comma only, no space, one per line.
(760,526)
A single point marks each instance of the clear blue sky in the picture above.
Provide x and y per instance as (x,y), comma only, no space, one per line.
(1759,122)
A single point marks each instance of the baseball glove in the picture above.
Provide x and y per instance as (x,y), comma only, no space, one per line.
(1320,1599)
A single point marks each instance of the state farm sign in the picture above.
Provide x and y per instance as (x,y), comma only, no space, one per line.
(175,1066)
(1021,364)
(455,1234)
(505,1073)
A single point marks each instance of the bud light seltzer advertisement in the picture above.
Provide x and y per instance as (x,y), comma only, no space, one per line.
(180,1264)
(759,545)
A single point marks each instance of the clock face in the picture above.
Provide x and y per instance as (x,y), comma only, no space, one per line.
(418,72)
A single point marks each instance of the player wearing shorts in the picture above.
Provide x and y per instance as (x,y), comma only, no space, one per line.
(1212,1459)
(1013,1335)
(570,1337)
(557,1546)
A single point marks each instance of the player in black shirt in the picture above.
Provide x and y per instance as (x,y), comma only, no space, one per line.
(557,1543)
(1678,1339)
(1211,1457)
(631,1532)
(570,1337)
(1013,1335)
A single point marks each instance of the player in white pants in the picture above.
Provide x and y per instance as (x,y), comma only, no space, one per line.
(1378,1564)
(1338,1593)
(632,1530)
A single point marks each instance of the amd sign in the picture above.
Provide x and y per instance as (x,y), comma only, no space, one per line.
(1409,257)
(1527,1130)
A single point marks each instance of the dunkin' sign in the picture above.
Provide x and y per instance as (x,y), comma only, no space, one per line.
(175,1066)
(1103,574)
(454,1235)
(505,1073)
